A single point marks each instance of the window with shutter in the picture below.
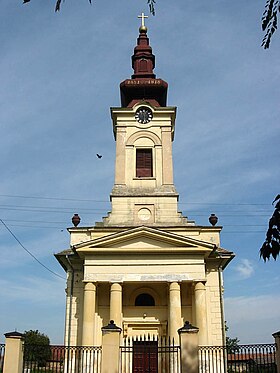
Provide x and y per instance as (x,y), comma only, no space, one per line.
(144,164)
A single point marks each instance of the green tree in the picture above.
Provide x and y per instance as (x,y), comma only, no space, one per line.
(231,343)
(271,245)
(37,347)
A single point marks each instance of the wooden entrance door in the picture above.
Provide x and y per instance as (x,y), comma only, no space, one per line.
(145,357)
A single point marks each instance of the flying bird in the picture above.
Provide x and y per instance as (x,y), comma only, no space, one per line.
(25,1)
(276,198)
(99,156)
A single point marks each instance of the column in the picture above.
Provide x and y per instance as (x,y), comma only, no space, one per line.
(167,165)
(89,314)
(120,156)
(201,312)
(175,317)
(13,360)
(116,303)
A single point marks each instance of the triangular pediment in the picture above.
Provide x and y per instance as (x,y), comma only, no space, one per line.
(146,239)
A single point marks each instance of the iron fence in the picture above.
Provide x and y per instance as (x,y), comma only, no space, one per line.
(149,354)
(259,358)
(58,359)
(2,354)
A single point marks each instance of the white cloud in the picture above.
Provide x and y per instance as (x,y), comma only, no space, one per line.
(245,269)
(253,319)
(33,289)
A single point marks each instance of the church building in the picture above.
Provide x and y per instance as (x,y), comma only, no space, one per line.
(145,266)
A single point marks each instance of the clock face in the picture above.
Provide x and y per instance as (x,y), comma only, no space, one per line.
(144,115)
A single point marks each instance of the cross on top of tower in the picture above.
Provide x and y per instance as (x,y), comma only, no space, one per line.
(142,16)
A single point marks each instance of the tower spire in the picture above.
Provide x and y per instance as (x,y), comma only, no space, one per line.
(143,84)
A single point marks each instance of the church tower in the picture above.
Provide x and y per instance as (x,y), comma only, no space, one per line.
(144,192)
(145,266)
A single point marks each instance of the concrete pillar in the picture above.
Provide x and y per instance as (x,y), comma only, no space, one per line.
(175,317)
(13,360)
(120,156)
(189,348)
(201,312)
(89,314)
(116,303)
(277,342)
(110,348)
(167,165)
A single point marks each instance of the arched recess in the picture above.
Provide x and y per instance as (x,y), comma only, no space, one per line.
(145,290)
(140,134)
(144,300)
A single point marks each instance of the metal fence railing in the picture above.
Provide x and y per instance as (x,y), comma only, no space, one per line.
(58,359)
(259,358)
(2,354)
(157,355)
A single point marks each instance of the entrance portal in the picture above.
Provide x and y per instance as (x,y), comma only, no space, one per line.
(145,357)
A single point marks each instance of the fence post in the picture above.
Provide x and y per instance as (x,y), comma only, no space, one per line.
(110,348)
(189,348)
(277,341)
(13,360)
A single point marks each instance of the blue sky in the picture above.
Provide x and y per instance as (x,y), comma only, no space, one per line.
(60,74)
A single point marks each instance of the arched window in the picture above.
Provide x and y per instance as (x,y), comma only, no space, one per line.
(144,299)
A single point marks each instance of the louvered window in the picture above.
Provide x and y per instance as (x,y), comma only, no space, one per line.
(144,163)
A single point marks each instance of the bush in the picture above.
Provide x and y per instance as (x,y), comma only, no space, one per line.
(37,347)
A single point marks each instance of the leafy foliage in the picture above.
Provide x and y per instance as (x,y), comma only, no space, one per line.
(271,245)
(231,343)
(269,21)
(37,347)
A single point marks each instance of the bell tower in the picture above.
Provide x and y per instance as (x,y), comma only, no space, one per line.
(144,191)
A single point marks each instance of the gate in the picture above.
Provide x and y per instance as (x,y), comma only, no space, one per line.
(147,354)
(145,357)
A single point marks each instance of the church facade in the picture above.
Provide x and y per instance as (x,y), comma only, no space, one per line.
(145,266)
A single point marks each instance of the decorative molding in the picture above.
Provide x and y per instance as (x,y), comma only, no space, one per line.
(136,277)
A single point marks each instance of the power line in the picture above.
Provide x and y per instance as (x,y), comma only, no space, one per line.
(70,209)
(35,226)
(102,201)
(52,198)
(33,256)
(224,231)
(88,223)
(66,210)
